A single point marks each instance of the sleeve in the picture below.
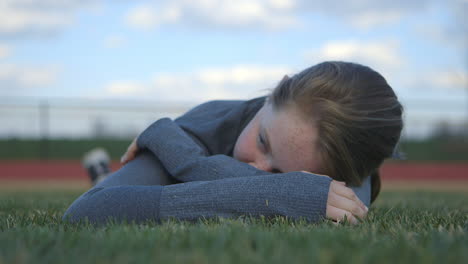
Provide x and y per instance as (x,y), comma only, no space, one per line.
(215,125)
(364,191)
(294,195)
(187,161)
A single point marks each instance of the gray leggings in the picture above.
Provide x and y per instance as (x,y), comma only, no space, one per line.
(133,192)
(145,169)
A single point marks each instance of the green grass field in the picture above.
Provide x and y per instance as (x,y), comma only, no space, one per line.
(446,149)
(402,227)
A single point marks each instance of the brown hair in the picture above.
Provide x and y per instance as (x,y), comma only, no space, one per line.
(356,112)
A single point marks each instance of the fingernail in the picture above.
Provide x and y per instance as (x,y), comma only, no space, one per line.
(367,209)
(122,159)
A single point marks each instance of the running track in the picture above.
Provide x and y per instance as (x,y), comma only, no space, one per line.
(72,170)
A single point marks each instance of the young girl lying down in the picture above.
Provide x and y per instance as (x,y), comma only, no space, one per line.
(266,156)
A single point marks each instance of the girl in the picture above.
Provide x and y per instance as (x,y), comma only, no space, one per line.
(266,156)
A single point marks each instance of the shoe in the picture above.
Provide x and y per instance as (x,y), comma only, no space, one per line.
(97,163)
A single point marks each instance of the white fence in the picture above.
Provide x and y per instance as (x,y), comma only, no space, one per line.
(83,118)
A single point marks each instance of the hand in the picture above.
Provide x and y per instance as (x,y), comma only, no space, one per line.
(342,202)
(131,152)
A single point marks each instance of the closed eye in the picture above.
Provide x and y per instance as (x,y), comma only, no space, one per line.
(264,148)
(261,142)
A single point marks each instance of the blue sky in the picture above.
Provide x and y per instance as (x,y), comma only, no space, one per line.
(183,50)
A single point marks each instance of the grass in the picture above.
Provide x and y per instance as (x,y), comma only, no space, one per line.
(402,227)
(446,149)
(58,149)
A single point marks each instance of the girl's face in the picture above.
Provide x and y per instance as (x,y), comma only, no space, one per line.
(279,141)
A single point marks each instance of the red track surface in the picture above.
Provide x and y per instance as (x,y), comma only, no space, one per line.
(50,170)
(72,170)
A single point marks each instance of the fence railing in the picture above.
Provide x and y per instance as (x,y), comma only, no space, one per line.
(86,118)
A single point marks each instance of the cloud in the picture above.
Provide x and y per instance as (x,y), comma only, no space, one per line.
(270,14)
(114,41)
(237,82)
(243,81)
(5,51)
(377,54)
(240,75)
(123,87)
(17,78)
(457,29)
(27,18)
(147,17)
(449,32)
(251,14)
(365,14)
(282,4)
(373,18)
(386,58)
(454,79)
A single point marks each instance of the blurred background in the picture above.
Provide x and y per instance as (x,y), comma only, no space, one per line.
(76,74)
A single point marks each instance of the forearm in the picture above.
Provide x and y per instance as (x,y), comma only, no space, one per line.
(145,169)
(119,203)
(295,195)
(185,160)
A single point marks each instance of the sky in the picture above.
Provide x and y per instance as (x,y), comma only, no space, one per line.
(194,51)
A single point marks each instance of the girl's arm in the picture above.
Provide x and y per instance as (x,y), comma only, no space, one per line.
(187,161)
(295,195)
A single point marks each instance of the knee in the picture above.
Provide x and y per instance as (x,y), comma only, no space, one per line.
(116,204)
(85,208)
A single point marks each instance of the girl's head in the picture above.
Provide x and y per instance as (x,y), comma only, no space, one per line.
(335,118)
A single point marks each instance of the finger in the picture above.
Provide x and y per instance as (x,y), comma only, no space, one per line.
(346,204)
(343,190)
(123,159)
(130,153)
(128,156)
(348,193)
(339,215)
(131,156)
(132,147)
